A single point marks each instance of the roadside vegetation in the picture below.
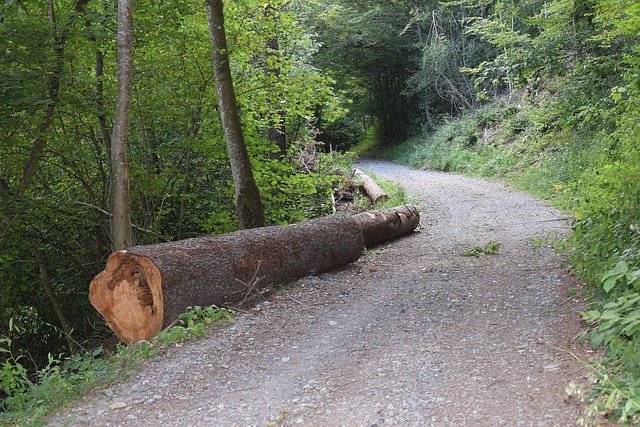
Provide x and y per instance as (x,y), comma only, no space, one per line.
(569,133)
(65,379)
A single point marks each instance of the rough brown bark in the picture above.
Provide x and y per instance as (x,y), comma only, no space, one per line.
(373,190)
(147,287)
(121,203)
(249,208)
(382,226)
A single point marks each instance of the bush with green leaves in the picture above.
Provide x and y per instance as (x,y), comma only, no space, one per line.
(607,200)
(616,327)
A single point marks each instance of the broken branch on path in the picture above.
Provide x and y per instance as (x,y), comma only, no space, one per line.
(145,288)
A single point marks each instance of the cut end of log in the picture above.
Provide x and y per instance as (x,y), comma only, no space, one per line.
(128,294)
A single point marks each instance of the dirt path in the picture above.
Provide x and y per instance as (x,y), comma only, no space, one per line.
(411,334)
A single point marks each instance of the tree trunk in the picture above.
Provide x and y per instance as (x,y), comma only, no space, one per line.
(121,202)
(146,288)
(249,207)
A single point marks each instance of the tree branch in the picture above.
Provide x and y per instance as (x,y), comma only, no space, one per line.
(110,215)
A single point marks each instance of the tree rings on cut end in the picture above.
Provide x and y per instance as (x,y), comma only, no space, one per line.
(128,294)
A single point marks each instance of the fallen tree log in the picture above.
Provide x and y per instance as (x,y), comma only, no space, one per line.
(145,288)
(382,226)
(371,188)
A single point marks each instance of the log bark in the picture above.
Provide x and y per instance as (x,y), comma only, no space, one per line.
(381,226)
(145,288)
(373,190)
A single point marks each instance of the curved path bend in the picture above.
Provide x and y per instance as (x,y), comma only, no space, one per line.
(412,334)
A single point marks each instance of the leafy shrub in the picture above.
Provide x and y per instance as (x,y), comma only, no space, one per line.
(616,326)
(607,216)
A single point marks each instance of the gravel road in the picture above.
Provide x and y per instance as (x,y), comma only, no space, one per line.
(412,334)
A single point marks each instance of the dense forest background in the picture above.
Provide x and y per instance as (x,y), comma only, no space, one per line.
(58,94)
(544,93)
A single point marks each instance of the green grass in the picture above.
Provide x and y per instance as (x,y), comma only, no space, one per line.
(63,381)
(491,248)
(366,143)
(553,240)
(397,194)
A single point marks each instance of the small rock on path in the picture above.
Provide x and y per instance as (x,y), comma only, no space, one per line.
(411,334)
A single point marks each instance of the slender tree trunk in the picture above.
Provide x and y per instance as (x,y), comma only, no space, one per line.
(121,202)
(46,282)
(53,89)
(249,207)
(277,131)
